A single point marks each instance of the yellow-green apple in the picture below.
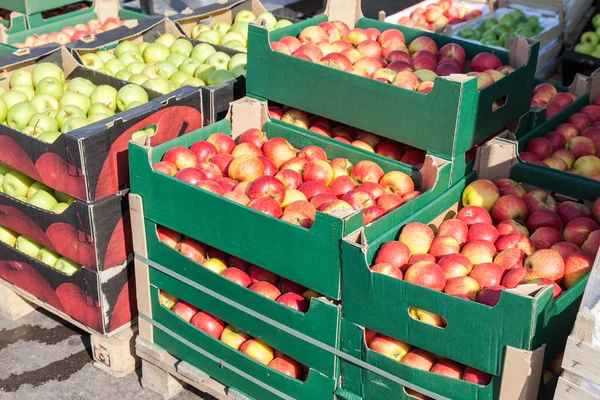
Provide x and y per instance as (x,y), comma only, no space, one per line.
(208,324)
(265,289)
(46,69)
(546,263)
(515,240)
(296,117)
(394,253)
(588,166)
(311,189)
(444,245)
(479,252)
(473,214)
(578,230)
(545,238)
(510,258)
(427,274)
(214,264)
(490,295)
(449,368)
(16,184)
(476,376)
(19,115)
(455,228)
(487,274)
(420,359)
(341,166)
(246,168)
(511,226)
(426,317)
(234,337)
(42,199)
(8,236)
(538,199)
(455,265)
(335,205)
(287,366)
(462,285)
(258,351)
(483,231)
(544,218)
(192,249)
(389,346)
(267,205)
(295,301)
(303,207)
(482,193)
(509,207)
(577,265)
(167,299)
(417,236)
(184,310)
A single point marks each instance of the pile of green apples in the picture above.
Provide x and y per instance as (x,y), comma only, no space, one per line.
(40,103)
(589,42)
(37,251)
(495,32)
(167,64)
(22,187)
(235,36)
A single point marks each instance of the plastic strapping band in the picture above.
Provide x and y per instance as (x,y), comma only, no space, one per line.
(221,363)
(284,328)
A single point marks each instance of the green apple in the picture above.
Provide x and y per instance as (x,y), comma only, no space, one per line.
(45,70)
(43,102)
(92,61)
(152,72)
(233,36)
(235,45)
(29,92)
(49,136)
(160,85)
(583,48)
(136,67)
(75,99)
(126,45)
(181,46)
(176,59)
(189,65)
(194,82)
(211,37)
(221,28)
(241,27)
(114,66)
(166,39)
(269,18)
(97,117)
(8,237)
(142,46)
(130,93)
(43,122)
(156,52)
(166,67)
(138,79)
(34,131)
(19,115)
(240,70)
(244,16)
(518,15)
(237,59)
(282,23)
(2,90)
(106,71)
(490,23)
(507,20)
(67,112)
(591,38)
(3,110)
(198,29)
(28,246)
(138,134)
(63,198)
(220,76)
(179,77)
(127,58)
(67,266)
(35,186)
(52,113)
(466,33)
(172,85)
(81,86)
(596,21)
(106,55)
(42,199)
(21,77)
(74,123)
(133,105)
(13,97)
(533,21)
(4,169)
(51,86)
(16,184)
(47,256)
(203,71)
(595,53)
(106,95)
(124,74)
(59,208)
(101,108)
(218,59)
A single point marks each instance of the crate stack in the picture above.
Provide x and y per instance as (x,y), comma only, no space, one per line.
(86,170)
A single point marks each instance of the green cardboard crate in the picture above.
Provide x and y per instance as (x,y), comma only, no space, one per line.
(321,322)
(525,318)
(6,49)
(317,386)
(447,122)
(34,6)
(310,257)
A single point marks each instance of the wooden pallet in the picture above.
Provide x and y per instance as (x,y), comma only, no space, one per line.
(113,354)
(167,375)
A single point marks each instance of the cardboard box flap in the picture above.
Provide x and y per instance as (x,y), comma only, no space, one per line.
(430,172)
(348,11)
(522,369)
(594,87)
(245,114)
(580,85)
(495,159)
(56,54)
(105,9)
(31,54)
(519,50)
(220,11)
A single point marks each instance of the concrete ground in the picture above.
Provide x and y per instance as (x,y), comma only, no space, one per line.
(42,358)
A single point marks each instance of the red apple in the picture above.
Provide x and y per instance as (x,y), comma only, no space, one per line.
(181,157)
(475,376)
(166,167)
(544,218)
(295,301)
(545,238)
(577,265)
(429,275)
(474,214)
(479,252)
(209,324)
(265,289)
(510,258)
(578,230)
(515,241)
(537,200)
(483,231)
(184,310)
(237,275)
(204,150)
(546,263)
(455,265)
(420,359)
(394,253)
(490,295)
(463,285)
(192,249)
(455,228)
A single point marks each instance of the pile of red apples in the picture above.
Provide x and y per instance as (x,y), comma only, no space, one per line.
(424,360)
(546,95)
(274,178)
(503,237)
(573,146)
(253,277)
(234,337)
(343,133)
(70,34)
(386,57)
(436,16)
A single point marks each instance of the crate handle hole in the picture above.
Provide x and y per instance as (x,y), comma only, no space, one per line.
(499,103)
(427,317)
